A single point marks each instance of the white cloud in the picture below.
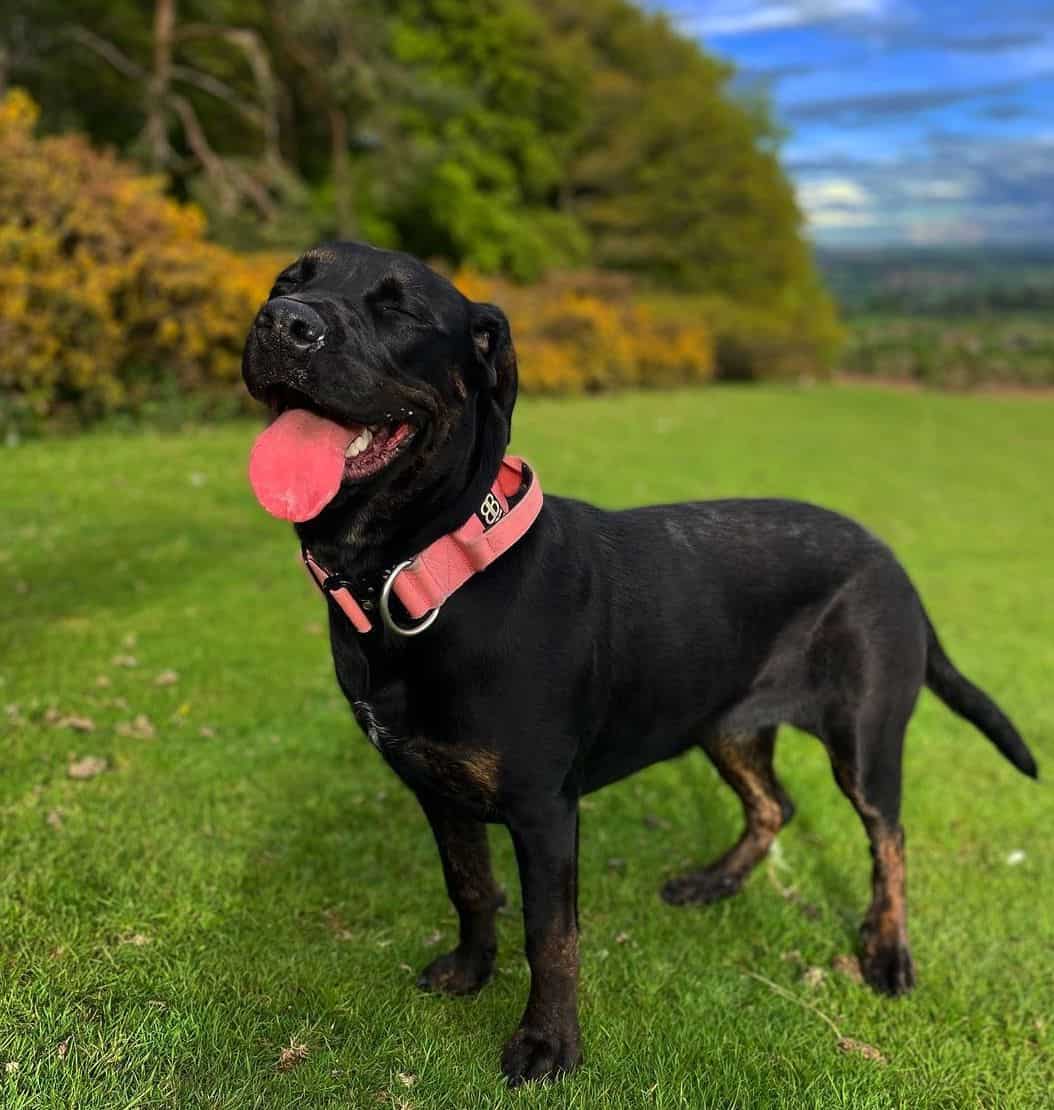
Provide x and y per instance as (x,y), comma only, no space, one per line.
(836,192)
(737,17)
(962,189)
(834,203)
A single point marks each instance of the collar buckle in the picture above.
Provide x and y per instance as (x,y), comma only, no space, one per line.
(384,604)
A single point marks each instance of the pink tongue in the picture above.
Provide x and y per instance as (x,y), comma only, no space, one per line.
(296,465)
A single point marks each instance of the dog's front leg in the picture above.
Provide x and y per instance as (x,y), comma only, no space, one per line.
(546,1043)
(465,855)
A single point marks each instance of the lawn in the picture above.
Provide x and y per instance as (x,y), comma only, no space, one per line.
(244,876)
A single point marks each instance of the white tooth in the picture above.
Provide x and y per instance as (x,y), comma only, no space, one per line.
(358,444)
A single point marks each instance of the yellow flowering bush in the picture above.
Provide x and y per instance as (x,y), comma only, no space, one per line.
(589,331)
(112,300)
(109,293)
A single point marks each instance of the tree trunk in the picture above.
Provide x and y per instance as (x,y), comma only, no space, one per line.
(343,206)
(157,93)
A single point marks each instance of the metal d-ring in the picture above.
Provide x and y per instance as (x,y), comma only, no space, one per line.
(389,621)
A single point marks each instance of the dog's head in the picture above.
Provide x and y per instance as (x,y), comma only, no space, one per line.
(376,342)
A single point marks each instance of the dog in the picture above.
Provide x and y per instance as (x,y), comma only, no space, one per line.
(594,644)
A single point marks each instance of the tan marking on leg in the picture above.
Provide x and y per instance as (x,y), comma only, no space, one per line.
(745,763)
(886,920)
(762,809)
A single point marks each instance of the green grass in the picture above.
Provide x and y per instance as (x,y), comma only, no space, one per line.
(253,876)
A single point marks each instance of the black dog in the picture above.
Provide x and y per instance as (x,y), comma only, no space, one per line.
(600,643)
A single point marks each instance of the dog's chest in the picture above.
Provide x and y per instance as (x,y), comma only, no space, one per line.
(464,773)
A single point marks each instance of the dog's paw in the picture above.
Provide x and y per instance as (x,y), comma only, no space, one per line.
(457,973)
(533,1054)
(700,888)
(888,968)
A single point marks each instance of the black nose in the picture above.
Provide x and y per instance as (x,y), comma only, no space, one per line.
(293,320)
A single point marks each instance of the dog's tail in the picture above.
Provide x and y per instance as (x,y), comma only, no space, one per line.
(961,696)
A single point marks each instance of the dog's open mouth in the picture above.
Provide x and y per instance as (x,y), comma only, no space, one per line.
(373,447)
(299,463)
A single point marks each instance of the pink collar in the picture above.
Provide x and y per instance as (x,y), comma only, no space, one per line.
(423,583)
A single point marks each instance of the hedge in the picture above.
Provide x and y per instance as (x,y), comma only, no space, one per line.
(112,300)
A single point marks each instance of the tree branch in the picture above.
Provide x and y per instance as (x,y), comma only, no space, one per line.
(210,161)
(255,51)
(222,91)
(110,53)
(230,180)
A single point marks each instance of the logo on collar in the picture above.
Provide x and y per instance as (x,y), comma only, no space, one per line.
(490,512)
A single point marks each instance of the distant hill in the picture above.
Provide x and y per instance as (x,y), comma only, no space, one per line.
(940,282)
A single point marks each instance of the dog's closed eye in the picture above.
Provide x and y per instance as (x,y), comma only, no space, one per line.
(389,299)
(399,310)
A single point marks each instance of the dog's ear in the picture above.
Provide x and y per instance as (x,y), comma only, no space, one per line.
(492,341)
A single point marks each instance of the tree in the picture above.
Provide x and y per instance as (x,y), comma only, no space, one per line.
(485,135)
(166,106)
(672,176)
(340,50)
(513,135)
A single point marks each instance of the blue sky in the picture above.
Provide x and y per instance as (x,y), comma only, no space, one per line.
(910,121)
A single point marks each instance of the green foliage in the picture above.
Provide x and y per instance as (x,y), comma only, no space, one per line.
(254,873)
(508,135)
(957,281)
(796,338)
(672,176)
(951,318)
(489,154)
(114,303)
(513,137)
(952,351)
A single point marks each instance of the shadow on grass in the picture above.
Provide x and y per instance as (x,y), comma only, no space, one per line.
(336,911)
(142,565)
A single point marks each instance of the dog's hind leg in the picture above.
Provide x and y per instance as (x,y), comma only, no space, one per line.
(745,763)
(868,661)
(866,760)
(465,855)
